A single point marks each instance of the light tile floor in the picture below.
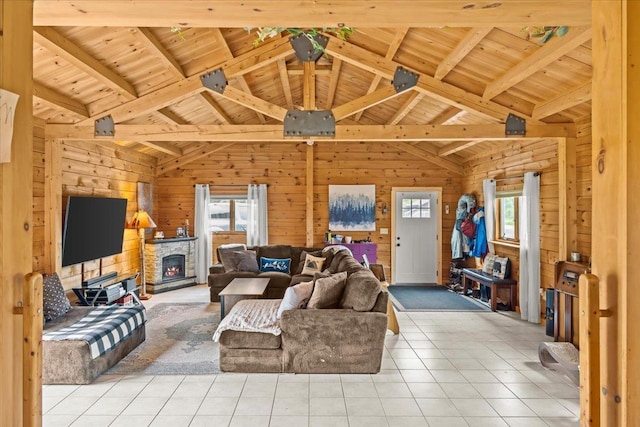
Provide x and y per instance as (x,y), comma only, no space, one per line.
(444,369)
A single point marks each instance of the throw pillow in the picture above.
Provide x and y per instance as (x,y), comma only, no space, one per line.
(246,261)
(226,256)
(361,292)
(303,258)
(501,267)
(275,264)
(327,291)
(55,301)
(312,265)
(487,266)
(295,297)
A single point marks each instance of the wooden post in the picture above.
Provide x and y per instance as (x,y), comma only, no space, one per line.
(16,188)
(309,103)
(52,206)
(567,196)
(32,349)
(616,203)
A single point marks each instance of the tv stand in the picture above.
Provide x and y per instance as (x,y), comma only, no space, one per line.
(107,289)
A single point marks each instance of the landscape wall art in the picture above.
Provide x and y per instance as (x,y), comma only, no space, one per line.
(352,207)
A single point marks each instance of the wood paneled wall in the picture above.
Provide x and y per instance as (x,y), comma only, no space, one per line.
(283,167)
(513,160)
(92,169)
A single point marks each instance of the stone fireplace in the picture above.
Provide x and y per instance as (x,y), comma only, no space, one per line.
(170,264)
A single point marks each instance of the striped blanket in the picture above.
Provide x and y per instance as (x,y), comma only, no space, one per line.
(103,328)
(251,315)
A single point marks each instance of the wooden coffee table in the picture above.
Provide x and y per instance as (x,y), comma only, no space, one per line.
(239,289)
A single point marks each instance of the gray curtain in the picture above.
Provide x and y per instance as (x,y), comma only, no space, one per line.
(203,243)
(257,221)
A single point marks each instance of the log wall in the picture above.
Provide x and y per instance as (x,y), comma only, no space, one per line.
(513,160)
(283,167)
(95,170)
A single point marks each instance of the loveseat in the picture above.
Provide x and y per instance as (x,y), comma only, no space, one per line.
(220,275)
(346,339)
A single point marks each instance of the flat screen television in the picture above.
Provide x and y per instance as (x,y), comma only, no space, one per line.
(93,228)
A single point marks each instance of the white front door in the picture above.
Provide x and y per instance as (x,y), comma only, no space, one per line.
(416,237)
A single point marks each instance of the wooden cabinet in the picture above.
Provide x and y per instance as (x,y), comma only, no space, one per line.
(359,249)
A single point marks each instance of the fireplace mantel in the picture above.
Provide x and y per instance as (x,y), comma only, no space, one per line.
(156,250)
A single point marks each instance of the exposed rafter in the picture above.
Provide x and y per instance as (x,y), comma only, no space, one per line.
(333,82)
(274,133)
(163,147)
(462,49)
(200,151)
(406,108)
(446,115)
(58,100)
(439,90)
(430,156)
(556,48)
(454,147)
(252,102)
(170,117)
(364,102)
(241,80)
(567,100)
(72,53)
(309,86)
(391,51)
(284,80)
(159,51)
(320,13)
(215,108)
(267,53)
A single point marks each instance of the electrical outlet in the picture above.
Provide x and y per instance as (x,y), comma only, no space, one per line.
(384,231)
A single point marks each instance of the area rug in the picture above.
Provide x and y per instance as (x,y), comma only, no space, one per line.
(431,298)
(179,342)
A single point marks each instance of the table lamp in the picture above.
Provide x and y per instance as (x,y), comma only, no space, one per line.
(140,221)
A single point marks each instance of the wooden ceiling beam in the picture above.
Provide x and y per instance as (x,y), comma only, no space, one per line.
(437,89)
(58,100)
(446,115)
(267,53)
(319,13)
(284,80)
(364,102)
(274,133)
(567,100)
(241,80)
(398,38)
(333,82)
(462,49)
(431,157)
(191,156)
(553,50)
(309,86)
(454,147)
(163,147)
(406,108)
(170,117)
(221,116)
(56,43)
(298,70)
(157,50)
(253,102)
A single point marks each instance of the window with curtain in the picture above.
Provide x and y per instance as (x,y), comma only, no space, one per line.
(228,214)
(507,227)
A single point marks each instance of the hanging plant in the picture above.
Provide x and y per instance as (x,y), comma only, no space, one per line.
(262,33)
(545,33)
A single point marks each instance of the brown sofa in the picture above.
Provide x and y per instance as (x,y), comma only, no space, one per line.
(349,339)
(219,277)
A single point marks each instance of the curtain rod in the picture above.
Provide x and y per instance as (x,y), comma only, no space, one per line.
(230,185)
(515,177)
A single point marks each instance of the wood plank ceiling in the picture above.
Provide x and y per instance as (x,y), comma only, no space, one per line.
(474,64)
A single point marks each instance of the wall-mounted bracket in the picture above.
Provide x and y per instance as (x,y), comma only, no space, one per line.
(305,51)
(215,80)
(404,79)
(515,125)
(309,123)
(104,126)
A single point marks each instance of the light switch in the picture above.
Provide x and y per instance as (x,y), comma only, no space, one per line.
(446,209)
(384,231)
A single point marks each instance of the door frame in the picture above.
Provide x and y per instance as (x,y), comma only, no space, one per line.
(394,191)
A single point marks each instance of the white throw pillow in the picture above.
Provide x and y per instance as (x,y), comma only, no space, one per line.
(312,265)
(296,296)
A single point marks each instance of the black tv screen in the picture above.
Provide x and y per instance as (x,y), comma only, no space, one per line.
(93,228)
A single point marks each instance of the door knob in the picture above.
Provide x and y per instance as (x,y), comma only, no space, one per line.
(397,244)
(397,238)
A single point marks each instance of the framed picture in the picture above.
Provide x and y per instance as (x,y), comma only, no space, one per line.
(352,207)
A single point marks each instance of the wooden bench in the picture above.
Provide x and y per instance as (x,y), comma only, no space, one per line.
(494,283)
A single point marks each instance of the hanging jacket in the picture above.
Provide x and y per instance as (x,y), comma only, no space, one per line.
(456,243)
(480,246)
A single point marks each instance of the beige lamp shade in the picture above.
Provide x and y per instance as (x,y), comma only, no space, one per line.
(141,219)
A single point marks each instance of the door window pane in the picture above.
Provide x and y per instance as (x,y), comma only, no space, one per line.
(416,208)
